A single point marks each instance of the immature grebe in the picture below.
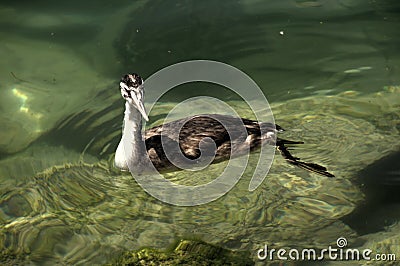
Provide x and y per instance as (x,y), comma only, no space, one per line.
(189,134)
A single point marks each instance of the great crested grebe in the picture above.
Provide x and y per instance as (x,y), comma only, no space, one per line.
(136,147)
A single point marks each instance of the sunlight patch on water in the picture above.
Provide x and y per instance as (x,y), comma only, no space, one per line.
(24,108)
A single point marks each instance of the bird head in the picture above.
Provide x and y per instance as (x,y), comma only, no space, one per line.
(132,90)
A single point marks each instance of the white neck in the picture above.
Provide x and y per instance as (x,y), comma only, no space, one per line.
(131,147)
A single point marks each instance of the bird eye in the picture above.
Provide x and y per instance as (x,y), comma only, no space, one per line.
(126,94)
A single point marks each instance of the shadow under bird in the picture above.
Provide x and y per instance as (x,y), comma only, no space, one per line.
(190,141)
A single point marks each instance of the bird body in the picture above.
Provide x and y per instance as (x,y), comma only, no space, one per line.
(191,141)
(243,135)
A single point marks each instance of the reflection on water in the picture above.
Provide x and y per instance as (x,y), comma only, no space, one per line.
(61,201)
(286,46)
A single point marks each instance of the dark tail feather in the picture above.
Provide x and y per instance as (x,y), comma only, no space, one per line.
(285,141)
(316,168)
(313,167)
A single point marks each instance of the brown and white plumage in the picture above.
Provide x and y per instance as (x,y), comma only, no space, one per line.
(189,141)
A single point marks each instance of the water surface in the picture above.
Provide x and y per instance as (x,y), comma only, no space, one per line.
(328,68)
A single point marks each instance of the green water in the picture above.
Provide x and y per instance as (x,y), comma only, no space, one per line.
(330,70)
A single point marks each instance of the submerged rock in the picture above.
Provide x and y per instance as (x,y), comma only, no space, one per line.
(185,252)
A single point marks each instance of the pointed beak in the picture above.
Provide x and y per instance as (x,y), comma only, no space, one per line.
(139,106)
